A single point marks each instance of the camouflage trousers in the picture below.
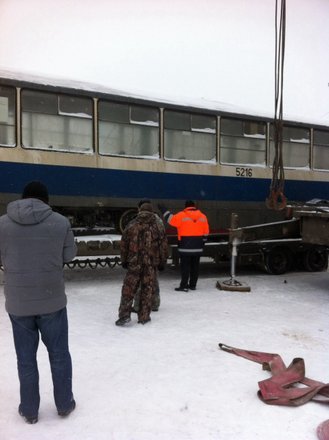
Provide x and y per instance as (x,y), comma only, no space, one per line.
(155,298)
(144,277)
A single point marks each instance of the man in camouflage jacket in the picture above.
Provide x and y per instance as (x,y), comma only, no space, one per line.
(144,250)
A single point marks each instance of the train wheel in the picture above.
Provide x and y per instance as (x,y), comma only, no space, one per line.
(315,260)
(278,261)
(126,217)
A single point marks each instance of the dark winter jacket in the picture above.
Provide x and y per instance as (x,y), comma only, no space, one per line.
(34,244)
(144,242)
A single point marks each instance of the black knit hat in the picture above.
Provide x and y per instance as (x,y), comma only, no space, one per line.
(36,190)
(189,204)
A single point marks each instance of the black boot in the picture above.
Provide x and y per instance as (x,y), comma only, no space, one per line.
(123,321)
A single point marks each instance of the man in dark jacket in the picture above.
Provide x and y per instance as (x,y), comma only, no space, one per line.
(144,249)
(34,244)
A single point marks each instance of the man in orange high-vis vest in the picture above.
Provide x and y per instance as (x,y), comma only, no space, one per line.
(192,230)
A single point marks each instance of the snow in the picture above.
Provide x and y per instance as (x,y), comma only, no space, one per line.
(168,380)
(112,238)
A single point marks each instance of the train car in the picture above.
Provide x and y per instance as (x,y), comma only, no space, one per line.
(99,152)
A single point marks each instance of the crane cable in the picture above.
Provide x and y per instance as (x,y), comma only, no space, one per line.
(276,199)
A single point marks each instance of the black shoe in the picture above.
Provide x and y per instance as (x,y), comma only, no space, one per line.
(68,411)
(123,321)
(145,321)
(192,288)
(155,310)
(30,420)
(181,289)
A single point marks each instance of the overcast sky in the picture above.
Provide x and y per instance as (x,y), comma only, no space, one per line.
(214,50)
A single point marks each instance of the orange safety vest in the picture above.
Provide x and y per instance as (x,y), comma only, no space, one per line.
(190,222)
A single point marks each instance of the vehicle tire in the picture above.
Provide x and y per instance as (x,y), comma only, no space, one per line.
(278,260)
(126,217)
(315,260)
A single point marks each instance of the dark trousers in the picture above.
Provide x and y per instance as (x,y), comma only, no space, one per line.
(53,328)
(189,266)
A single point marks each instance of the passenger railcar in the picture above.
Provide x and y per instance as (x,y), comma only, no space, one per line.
(99,152)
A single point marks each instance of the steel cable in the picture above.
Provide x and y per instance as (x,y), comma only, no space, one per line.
(277,199)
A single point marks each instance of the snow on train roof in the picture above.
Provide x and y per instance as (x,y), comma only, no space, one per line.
(93,87)
(173,100)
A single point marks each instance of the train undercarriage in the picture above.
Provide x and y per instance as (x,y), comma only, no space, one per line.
(97,220)
(276,247)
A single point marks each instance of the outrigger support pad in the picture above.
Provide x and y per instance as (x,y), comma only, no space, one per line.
(232,285)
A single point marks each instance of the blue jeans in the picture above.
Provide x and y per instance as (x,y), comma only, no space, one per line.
(53,328)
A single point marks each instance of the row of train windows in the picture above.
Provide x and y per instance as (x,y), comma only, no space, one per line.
(65,123)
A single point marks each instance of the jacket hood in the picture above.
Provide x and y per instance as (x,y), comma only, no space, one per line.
(193,213)
(28,211)
(145,216)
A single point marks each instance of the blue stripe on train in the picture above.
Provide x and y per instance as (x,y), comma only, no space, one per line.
(91,182)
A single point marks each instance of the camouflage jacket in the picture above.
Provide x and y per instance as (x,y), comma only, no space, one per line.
(144,241)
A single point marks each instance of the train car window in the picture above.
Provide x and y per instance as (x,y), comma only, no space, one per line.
(38,102)
(56,122)
(321,149)
(145,116)
(112,112)
(295,146)
(242,142)
(73,106)
(203,124)
(189,137)
(7,117)
(177,121)
(128,130)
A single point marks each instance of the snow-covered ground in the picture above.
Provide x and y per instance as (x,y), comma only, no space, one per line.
(168,380)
